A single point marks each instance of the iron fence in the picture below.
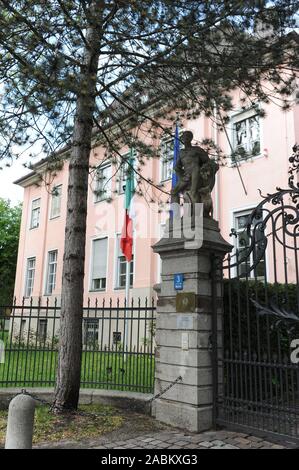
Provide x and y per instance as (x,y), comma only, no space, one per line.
(259,385)
(118,345)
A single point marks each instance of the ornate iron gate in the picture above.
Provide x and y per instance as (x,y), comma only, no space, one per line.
(259,386)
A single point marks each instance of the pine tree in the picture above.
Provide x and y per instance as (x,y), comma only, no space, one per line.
(73,71)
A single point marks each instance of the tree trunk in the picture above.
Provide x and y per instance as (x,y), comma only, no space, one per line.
(70,340)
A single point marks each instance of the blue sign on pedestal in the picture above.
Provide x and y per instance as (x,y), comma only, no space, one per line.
(178,281)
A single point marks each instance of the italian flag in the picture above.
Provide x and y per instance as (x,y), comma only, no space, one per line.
(126,241)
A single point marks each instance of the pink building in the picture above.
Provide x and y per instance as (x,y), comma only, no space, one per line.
(268,143)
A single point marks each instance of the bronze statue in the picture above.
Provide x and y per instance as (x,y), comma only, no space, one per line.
(196,173)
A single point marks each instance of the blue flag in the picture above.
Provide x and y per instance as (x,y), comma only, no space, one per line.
(176,151)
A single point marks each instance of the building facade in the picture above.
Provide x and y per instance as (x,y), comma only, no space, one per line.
(264,145)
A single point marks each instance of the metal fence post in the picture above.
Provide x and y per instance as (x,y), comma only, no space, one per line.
(20,423)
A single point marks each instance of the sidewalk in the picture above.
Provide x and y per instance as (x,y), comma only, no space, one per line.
(143,432)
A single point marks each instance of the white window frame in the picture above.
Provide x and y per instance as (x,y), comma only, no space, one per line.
(238,116)
(92,325)
(118,254)
(164,142)
(42,329)
(122,172)
(27,292)
(33,211)
(91,288)
(234,215)
(55,197)
(105,193)
(47,285)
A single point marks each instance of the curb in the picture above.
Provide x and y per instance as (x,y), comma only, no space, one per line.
(132,401)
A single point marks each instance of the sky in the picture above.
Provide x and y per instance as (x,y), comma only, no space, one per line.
(8,175)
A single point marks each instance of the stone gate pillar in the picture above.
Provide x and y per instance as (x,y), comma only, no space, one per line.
(184,329)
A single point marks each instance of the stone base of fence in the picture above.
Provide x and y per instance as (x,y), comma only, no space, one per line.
(133,401)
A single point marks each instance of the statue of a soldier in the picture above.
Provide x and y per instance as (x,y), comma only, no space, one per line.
(196,175)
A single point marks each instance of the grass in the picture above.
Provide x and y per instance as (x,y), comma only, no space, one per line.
(49,427)
(108,370)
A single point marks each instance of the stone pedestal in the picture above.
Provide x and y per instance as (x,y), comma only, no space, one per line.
(184,329)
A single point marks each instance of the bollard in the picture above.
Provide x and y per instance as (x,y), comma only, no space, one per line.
(20,423)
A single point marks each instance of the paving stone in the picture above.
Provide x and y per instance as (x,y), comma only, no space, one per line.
(205,444)
(210,434)
(242,440)
(229,446)
(181,443)
(169,439)
(257,445)
(255,438)
(217,443)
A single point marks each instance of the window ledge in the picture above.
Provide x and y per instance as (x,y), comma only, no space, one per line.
(105,199)
(246,160)
(121,288)
(55,217)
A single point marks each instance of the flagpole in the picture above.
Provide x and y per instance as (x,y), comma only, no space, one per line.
(127,304)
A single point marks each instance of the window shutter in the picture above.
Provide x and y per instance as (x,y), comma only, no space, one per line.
(99,265)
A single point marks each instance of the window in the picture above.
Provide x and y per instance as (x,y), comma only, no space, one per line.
(22,330)
(99,264)
(241,220)
(166,159)
(123,171)
(116,337)
(246,135)
(51,272)
(102,189)
(42,325)
(121,268)
(30,273)
(35,213)
(90,331)
(56,201)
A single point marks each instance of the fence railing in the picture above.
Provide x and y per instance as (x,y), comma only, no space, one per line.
(118,345)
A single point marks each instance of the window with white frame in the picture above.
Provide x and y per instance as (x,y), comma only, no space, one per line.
(42,326)
(51,272)
(121,267)
(166,158)
(245,135)
(56,201)
(35,213)
(30,274)
(242,244)
(103,178)
(99,264)
(90,331)
(123,172)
